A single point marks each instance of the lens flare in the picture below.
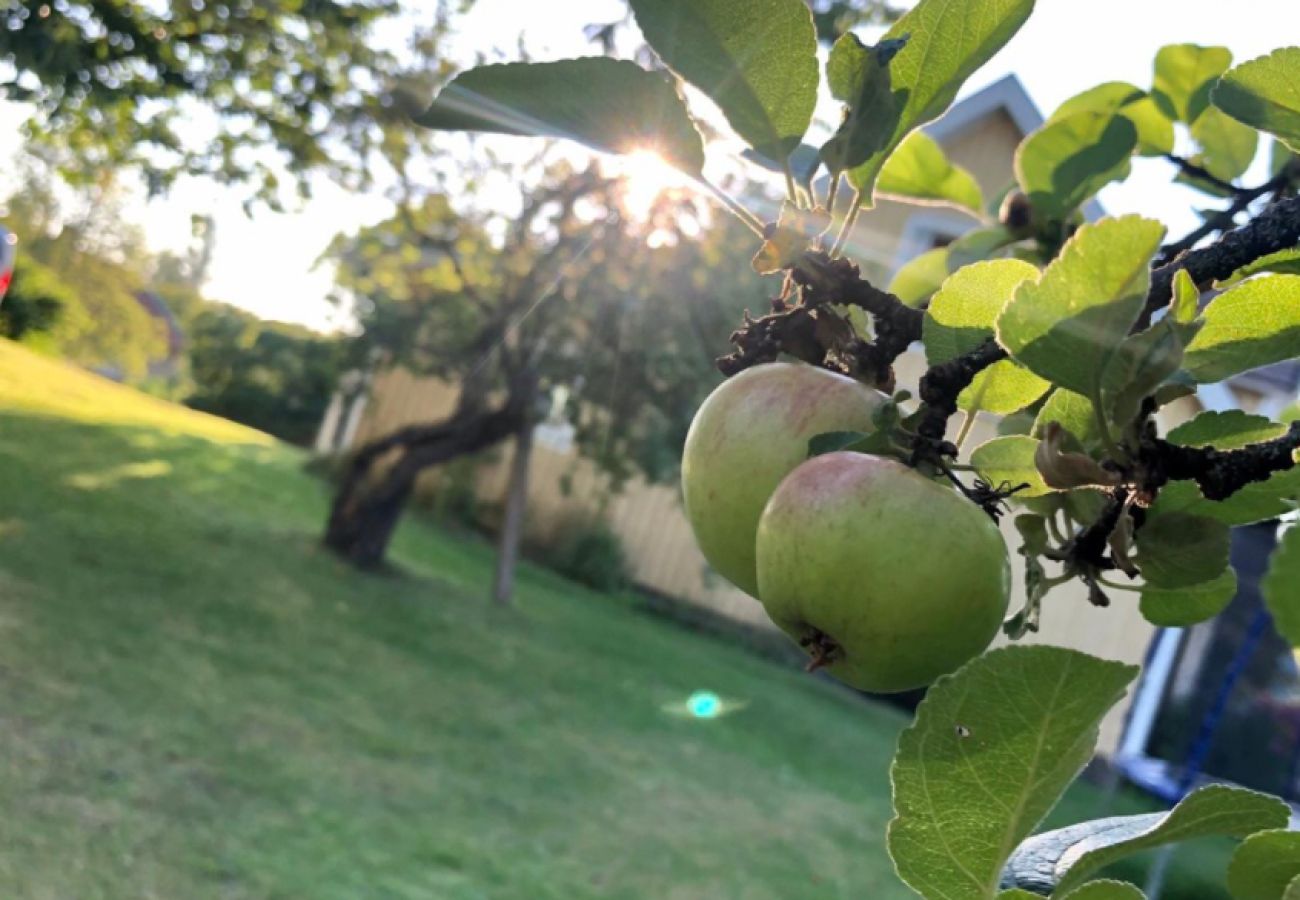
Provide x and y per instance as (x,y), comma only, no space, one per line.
(703,704)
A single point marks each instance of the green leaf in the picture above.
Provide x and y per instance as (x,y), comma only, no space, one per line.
(1010,460)
(963,313)
(1067,326)
(1286,262)
(1017,894)
(1008,733)
(1180,550)
(1186,299)
(1033,533)
(1227,146)
(1279,157)
(1228,430)
(917,279)
(977,244)
(1254,324)
(1155,131)
(920,171)
(947,40)
(1178,607)
(1147,358)
(1256,502)
(1002,388)
(1216,810)
(859,77)
(608,104)
(756,59)
(1075,414)
(1106,890)
(1065,162)
(831,441)
(1264,865)
(1184,76)
(1265,94)
(1281,586)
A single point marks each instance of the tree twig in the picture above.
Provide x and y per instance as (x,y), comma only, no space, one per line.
(1192,170)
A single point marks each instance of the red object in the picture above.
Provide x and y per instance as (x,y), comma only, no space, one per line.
(5,278)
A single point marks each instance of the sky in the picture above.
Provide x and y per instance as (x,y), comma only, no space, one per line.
(267,264)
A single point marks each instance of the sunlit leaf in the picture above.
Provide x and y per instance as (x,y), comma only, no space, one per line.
(1254,324)
(917,279)
(1002,388)
(1227,146)
(919,171)
(1010,460)
(1068,160)
(1263,93)
(1283,262)
(1155,131)
(947,40)
(1184,75)
(757,59)
(1008,732)
(608,104)
(859,76)
(964,312)
(1075,414)
(1068,325)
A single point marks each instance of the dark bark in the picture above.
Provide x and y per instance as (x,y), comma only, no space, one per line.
(381,475)
(942,384)
(1221,473)
(1276,228)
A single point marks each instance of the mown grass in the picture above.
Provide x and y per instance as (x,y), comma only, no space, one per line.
(196,702)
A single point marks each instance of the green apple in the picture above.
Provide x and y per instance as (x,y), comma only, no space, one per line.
(887,578)
(748,435)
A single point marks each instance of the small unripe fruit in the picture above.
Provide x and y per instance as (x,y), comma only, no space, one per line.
(887,578)
(748,435)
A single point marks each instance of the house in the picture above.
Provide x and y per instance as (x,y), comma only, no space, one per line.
(980,133)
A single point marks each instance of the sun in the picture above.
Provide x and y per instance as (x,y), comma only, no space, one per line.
(646,176)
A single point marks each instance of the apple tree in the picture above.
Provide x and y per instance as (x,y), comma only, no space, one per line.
(565,305)
(843,501)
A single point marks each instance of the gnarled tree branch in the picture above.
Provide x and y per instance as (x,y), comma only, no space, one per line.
(1276,228)
(1221,473)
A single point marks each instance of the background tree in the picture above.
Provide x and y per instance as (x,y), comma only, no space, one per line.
(79,252)
(239,92)
(568,292)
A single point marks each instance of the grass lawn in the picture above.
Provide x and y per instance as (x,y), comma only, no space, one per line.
(196,702)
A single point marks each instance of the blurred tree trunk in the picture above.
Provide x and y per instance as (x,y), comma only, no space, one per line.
(512,525)
(381,476)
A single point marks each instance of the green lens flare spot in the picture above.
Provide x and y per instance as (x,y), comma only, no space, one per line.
(704,704)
